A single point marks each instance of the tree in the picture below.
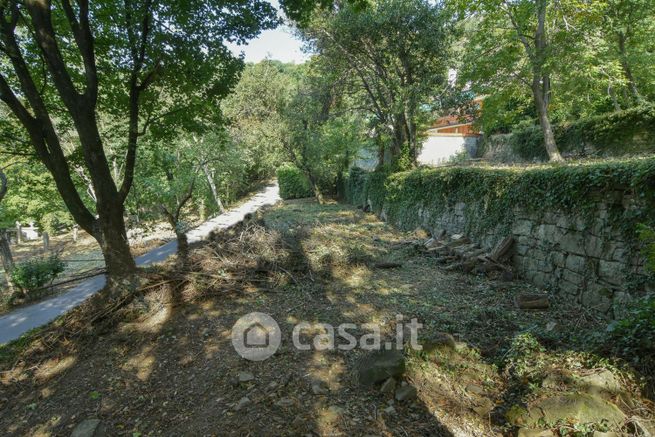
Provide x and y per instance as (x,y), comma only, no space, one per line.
(321,135)
(398,53)
(627,26)
(517,41)
(168,184)
(5,250)
(160,63)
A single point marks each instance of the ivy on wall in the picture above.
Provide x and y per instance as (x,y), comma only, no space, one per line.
(492,195)
(620,133)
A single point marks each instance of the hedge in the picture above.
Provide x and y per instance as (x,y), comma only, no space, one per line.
(620,133)
(293,183)
(492,194)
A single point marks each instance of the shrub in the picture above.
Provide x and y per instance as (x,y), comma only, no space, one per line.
(36,273)
(293,183)
(631,131)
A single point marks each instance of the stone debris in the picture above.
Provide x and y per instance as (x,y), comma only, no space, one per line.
(245,377)
(89,428)
(243,402)
(380,365)
(389,386)
(406,393)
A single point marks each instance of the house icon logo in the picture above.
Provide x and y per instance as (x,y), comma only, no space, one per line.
(256,336)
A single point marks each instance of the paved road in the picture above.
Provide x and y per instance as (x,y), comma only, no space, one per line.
(18,322)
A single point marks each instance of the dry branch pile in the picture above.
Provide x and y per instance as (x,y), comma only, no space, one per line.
(458,253)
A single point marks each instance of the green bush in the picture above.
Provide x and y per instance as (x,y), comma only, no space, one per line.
(293,183)
(631,131)
(36,273)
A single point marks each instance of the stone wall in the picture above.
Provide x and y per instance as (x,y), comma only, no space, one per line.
(586,260)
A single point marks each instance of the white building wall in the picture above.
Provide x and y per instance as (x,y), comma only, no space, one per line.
(438,149)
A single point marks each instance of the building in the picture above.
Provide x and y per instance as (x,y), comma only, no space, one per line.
(449,137)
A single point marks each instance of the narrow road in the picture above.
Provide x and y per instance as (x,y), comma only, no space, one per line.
(18,322)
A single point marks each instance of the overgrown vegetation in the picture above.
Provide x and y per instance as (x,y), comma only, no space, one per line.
(628,132)
(491,194)
(293,183)
(35,273)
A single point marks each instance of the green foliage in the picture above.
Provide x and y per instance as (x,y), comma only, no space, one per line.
(491,195)
(36,273)
(633,337)
(614,134)
(395,54)
(647,237)
(523,359)
(55,221)
(293,183)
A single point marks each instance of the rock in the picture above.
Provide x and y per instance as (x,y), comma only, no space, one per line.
(390,410)
(570,407)
(332,414)
(378,366)
(389,386)
(245,377)
(475,389)
(285,402)
(438,341)
(524,432)
(243,402)
(89,428)
(600,382)
(320,388)
(605,434)
(406,393)
(550,326)
(484,407)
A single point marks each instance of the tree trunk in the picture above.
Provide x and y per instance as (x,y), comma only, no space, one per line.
(213,188)
(315,188)
(182,250)
(112,237)
(546,127)
(627,71)
(7,259)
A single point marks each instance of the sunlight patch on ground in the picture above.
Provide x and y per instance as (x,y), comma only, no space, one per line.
(54,367)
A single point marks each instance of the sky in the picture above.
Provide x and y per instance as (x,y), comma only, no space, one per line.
(279,44)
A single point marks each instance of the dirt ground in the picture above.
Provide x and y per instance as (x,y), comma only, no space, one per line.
(172,370)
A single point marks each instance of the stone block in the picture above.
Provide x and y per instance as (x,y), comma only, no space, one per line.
(522,227)
(576,263)
(595,247)
(522,249)
(573,277)
(568,288)
(547,233)
(611,271)
(572,242)
(558,258)
(598,298)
